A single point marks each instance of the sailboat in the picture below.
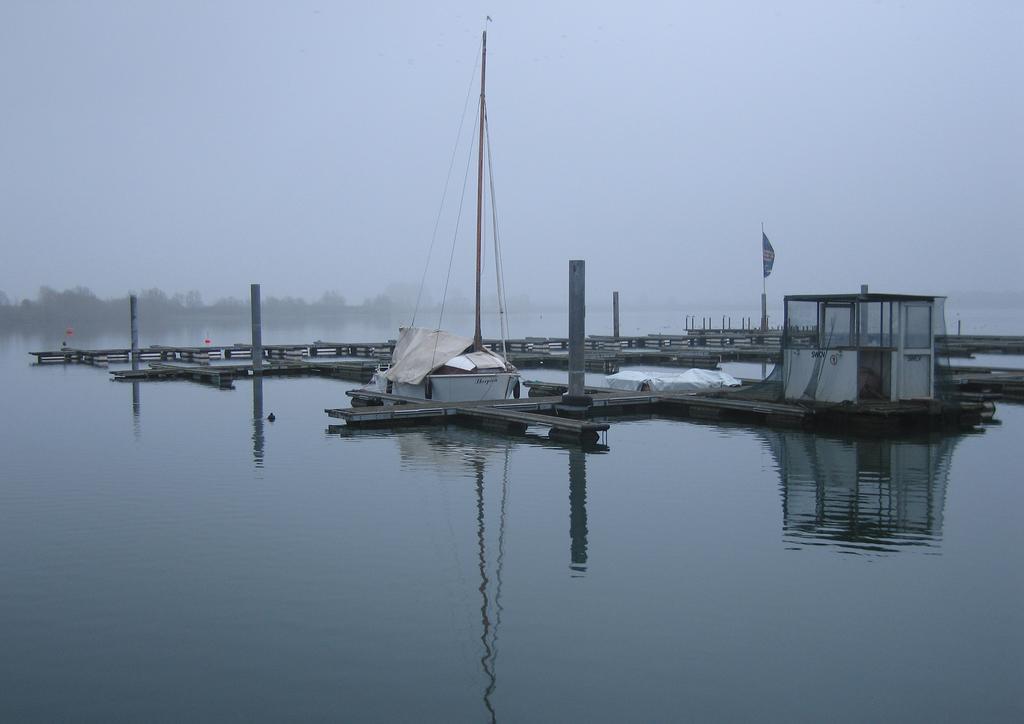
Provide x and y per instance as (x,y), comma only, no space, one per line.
(438,365)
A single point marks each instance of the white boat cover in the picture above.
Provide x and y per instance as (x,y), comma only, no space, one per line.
(472,361)
(420,351)
(688,381)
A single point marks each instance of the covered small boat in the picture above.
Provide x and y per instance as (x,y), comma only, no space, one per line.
(689,381)
(436,365)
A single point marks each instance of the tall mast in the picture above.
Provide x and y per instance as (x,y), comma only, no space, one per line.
(478,343)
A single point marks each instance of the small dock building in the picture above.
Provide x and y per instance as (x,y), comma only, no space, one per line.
(860,347)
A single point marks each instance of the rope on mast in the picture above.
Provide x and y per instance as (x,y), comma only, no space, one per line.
(444,193)
(499,266)
(455,235)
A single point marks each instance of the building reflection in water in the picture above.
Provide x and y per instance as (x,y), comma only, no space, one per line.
(257,421)
(861,495)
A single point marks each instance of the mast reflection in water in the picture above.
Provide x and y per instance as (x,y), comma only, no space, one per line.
(861,495)
(457,454)
(484,459)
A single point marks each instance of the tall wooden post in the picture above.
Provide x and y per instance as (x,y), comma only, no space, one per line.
(133,311)
(577,326)
(615,314)
(862,316)
(257,329)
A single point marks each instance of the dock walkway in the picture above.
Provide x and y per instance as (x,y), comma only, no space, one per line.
(703,348)
(506,415)
(882,418)
(698,348)
(223,375)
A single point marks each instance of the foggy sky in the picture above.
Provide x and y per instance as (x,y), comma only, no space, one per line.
(304,145)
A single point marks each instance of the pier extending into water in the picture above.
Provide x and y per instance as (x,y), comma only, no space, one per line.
(548,409)
(224,375)
(694,348)
(704,349)
(602,354)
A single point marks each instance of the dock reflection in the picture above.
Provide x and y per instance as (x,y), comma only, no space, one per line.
(862,495)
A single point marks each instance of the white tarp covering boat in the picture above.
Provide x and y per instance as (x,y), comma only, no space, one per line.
(419,352)
(695,379)
(478,362)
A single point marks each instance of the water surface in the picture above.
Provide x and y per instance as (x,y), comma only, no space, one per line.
(171,558)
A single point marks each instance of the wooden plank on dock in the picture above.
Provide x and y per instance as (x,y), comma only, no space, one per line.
(525,419)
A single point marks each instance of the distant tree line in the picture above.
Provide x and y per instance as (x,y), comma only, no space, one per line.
(80,307)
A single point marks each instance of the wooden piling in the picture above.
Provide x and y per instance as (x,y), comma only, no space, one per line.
(615,314)
(257,329)
(577,326)
(133,311)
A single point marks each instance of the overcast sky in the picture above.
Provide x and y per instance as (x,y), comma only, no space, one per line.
(304,145)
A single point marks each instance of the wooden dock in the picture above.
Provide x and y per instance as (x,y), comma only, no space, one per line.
(512,416)
(876,418)
(208,353)
(223,375)
(992,383)
(946,345)
(968,345)
(601,355)
(694,348)
(698,348)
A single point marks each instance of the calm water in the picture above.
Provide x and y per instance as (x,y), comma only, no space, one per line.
(170,559)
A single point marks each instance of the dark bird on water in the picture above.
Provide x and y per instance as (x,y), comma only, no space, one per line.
(271,417)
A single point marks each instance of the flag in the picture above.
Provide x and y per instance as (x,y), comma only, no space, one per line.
(768,254)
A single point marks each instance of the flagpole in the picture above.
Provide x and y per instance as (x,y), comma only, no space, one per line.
(764,279)
(764,287)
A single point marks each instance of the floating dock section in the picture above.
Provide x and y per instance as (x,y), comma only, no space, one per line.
(881,418)
(223,375)
(514,416)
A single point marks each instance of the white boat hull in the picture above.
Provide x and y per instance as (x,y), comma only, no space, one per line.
(471,387)
(468,387)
